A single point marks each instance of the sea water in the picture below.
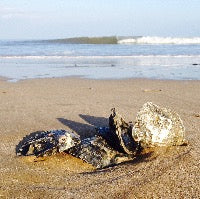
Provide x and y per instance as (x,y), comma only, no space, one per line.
(135,57)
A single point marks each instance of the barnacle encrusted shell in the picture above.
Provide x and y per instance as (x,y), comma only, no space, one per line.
(156,126)
(43,143)
(96,151)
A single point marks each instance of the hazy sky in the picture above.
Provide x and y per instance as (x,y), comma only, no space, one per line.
(40,19)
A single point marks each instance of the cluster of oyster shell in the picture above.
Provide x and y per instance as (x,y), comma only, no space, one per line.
(120,142)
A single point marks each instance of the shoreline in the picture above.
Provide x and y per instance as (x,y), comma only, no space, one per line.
(80,104)
(77,77)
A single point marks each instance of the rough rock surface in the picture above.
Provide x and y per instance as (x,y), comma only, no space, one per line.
(42,143)
(156,126)
(96,151)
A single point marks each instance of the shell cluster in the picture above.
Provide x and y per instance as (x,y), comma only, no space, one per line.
(120,142)
(44,143)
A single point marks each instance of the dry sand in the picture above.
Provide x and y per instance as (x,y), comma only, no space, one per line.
(80,105)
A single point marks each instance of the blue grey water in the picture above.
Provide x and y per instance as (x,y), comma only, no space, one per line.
(45,59)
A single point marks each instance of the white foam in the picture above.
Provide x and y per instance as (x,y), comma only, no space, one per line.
(97,57)
(160,40)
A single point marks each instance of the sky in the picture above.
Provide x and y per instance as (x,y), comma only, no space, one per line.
(48,19)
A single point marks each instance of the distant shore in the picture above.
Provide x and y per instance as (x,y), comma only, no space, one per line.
(80,105)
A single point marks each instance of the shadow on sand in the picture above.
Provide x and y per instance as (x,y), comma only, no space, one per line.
(85,130)
(95,121)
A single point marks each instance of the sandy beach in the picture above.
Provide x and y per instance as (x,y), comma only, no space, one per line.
(80,105)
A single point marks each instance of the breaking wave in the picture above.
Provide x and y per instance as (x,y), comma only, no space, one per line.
(159,40)
(129,40)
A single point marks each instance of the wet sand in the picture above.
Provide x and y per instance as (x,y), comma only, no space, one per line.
(80,105)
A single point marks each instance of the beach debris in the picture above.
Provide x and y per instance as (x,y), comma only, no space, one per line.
(96,151)
(120,142)
(156,126)
(44,143)
(93,150)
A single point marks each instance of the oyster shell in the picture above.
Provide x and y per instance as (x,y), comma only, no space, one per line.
(43,143)
(122,133)
(96,151)
(156,126)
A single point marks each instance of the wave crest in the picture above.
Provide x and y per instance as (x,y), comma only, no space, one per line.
(160,40)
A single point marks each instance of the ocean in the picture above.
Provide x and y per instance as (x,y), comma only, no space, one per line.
(102,58)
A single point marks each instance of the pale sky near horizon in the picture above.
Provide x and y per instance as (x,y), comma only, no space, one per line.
(46,19)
